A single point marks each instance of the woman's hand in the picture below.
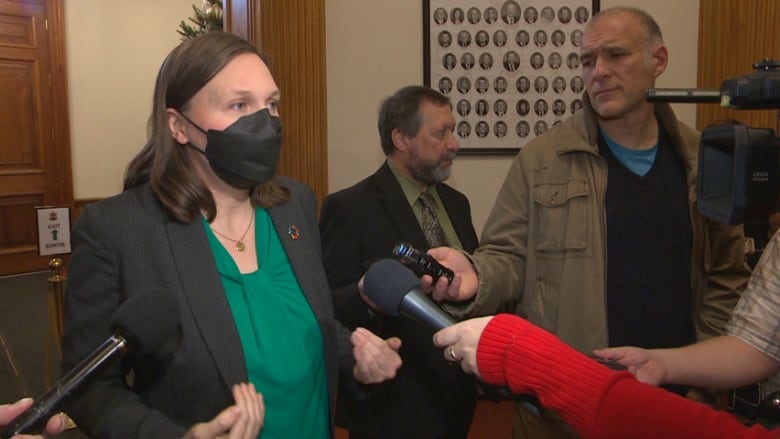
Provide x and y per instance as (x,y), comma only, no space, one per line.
(376,360)
(243,420)
(460,342)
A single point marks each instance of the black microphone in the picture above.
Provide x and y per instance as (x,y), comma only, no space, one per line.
(142,323)
(395,289)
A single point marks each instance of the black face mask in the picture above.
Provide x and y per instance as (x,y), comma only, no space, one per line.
(246,153)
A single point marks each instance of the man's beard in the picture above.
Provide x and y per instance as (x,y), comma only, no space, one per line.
(430,173)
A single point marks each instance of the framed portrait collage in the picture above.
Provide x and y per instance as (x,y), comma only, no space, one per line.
(510,67)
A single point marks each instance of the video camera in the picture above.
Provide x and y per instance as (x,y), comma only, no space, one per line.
(739,166)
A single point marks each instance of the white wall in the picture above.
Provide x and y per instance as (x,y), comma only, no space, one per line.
(375,47)
(113,51)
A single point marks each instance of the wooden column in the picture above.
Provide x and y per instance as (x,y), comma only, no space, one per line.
(292,34)
(732,36)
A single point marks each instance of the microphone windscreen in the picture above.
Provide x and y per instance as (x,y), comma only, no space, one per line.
(147,319)
(387,282)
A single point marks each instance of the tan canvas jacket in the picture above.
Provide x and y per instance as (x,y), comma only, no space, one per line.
(543,248)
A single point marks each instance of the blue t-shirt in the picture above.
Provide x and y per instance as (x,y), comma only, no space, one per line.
(638,161)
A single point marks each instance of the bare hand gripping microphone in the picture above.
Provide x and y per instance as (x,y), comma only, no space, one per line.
(142,323)
(395,289)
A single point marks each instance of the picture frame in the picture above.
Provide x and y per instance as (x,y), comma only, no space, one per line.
(510,67)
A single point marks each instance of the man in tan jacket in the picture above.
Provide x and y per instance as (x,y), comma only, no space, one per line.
(595,235)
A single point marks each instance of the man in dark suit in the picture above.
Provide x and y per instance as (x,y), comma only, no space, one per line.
(429,398)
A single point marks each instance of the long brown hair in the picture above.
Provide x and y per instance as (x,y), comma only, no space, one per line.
(162,161)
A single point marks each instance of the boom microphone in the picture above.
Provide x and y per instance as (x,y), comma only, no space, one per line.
(142,323)
(683,95)
(395,289)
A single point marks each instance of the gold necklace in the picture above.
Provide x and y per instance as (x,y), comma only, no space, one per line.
(240,241)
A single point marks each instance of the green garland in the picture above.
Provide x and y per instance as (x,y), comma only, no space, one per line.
(207,18)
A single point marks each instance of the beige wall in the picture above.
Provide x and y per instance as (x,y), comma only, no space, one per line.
(113,51)
(375,47)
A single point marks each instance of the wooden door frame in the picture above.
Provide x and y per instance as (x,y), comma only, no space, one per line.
(55,163)
(59,83)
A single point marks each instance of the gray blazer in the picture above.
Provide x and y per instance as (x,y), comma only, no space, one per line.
(126,245)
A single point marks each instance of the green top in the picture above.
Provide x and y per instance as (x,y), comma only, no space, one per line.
(280,336)
(412,193)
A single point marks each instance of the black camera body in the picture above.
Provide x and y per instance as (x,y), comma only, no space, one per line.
(739,166)
(739,173)
(756,91)
(421,263)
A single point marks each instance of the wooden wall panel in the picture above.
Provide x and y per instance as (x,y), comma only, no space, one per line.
(18,223)
(21,143)
(733,35)
(239,18)
(292,34)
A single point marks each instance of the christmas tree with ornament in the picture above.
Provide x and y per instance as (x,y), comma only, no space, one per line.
(207,18)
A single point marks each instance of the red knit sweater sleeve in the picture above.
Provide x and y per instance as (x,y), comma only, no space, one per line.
(596,401)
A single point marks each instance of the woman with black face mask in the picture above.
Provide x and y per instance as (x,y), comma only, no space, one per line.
(205,219)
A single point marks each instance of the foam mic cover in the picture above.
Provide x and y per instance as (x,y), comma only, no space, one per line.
(395,289)
(146,320)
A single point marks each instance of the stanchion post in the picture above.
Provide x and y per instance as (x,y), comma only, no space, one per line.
(55,311)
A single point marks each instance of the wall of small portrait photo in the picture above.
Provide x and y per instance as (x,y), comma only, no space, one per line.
(505,61)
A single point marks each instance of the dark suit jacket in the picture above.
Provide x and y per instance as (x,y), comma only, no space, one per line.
(429,398)
(127,245)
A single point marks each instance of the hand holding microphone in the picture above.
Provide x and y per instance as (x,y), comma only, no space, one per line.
(142,323)
(465,280)
(396,291)
(421,263)
(55,425)
(460,342)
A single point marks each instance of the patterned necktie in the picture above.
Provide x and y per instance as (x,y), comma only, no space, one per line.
(430,221)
